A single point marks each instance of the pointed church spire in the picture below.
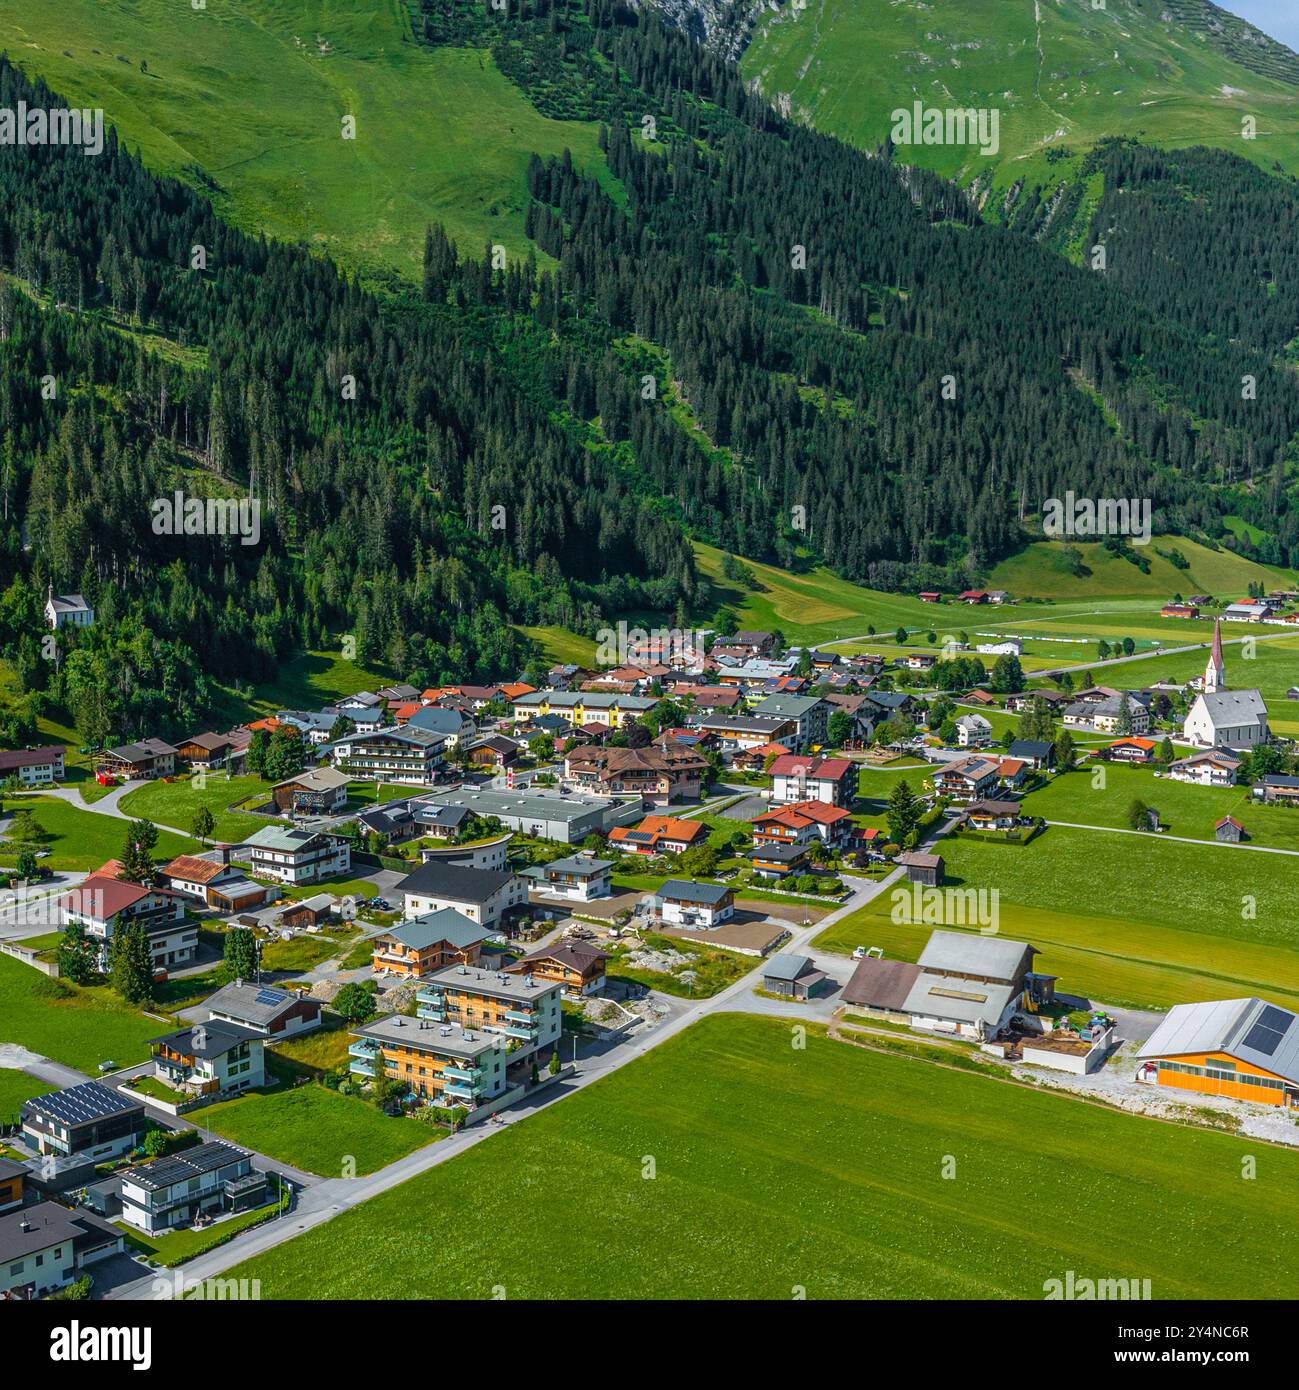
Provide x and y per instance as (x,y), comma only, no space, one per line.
(1215,675)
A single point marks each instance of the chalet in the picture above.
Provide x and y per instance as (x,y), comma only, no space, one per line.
(1004,816)
(493,752)
(67,610)
(1229,829)
(1012,773)
(682,903)
(1132,750)
(210,1059)
(33,767)
(393,755)
(929,596)
(658,774)
(1179,610)
(89,1120)
(151,757)
(288,854)
(397,694)
(420,945)
(214,883)
(45,1247)
(775,861)
(104,905)
(319,791)
(967,779)
(484,896)
(1023,699)
(1276,788)
(363,703)
(658,835)
(1216,768)
(800,777)
(756,759)
(1106,715)
(974,596)
(980,697)
(575,965)
(754,643)
(804,823)
(579,877)
(313,725)
(204,752)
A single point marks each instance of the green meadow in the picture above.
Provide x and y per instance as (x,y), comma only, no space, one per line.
(729,1163)
(253,93)
(79,839)
(1062,76)
(1122,919)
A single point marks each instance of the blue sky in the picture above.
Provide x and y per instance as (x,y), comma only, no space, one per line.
(1279,18)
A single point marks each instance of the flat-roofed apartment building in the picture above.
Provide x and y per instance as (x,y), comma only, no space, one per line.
(568,820)
(1247,1049)
(519,1007)
(392,754)
(446,1065)
(172,1191)
(291,855)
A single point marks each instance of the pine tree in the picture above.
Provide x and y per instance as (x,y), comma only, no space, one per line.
(132,971)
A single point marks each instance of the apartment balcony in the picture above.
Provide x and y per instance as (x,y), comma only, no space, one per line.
(521,1015)
(518,1030)
(432,1012)
(466,1090)
(365,1048)
(359,1068)
(435,996)
(470,1074)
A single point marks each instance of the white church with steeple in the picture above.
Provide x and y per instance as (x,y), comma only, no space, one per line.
(1222,718)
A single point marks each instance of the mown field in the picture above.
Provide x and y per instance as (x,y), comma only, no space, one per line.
(177,803)
(317,1129)
(1122,919)
(79,839)
(776,1169)
(1184,810)
(254,92)
(79,1027)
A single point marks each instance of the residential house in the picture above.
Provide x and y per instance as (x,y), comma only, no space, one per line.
(681,903)
(397,694)
(1215,768)
(802,777)
(1000,816)
(392,755)
(204,752)
(210,1059)
(581,707)
(273,1014)
(209,1179)
(775,861)
(967,779)
(151,757)
(314,725)
(1012,773)
(1277,788)
(804,823)
(291,854)
(104,905)
(658,835)
(973,731)
(33,767)
(453,726)
(364,702)
(420,945)
(1107,715)
(209,880)
(580,877)
(46,1247)
(1037,753)
(1132,750)
(484,896)
(319,791)
(90,1121)
(576,966)
(738,733)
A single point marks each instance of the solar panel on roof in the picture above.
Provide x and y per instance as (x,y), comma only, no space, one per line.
(271,996)
(1277,1019)
(1263,1039)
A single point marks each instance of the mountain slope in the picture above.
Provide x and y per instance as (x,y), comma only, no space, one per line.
(1062,74)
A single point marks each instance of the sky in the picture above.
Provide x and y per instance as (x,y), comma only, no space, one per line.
(1279,18)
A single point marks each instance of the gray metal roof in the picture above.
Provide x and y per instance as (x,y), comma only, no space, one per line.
(446,924)
(208,1040)
(1238,1027)
(257,1005)
(963,953)
(683,889)
(787,966)
(964,1001)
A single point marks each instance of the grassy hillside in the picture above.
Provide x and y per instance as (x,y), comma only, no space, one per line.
(776,1168)
(253,92)
(1062,75)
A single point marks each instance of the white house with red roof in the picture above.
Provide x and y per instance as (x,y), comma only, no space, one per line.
(105,905)
(808,777)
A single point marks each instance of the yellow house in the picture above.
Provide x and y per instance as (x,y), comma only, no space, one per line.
(1246,1049)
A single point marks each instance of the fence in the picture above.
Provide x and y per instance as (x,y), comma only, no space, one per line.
(29,957)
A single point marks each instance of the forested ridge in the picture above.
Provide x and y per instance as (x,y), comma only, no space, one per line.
(435,463)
